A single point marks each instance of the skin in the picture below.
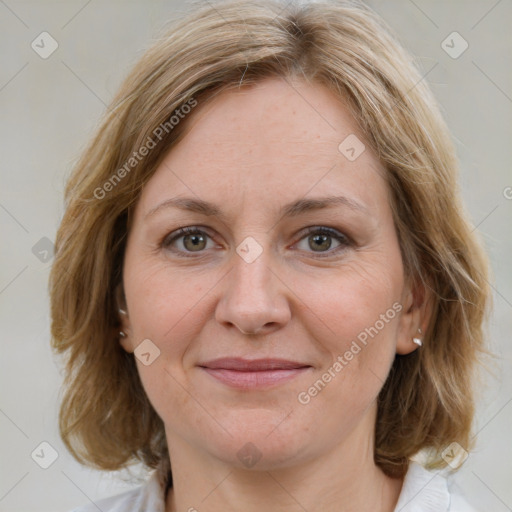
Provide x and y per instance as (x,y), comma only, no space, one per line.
(250,152)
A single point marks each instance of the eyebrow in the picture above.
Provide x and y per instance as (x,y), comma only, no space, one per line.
(290,210)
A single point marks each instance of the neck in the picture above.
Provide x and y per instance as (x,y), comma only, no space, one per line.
(344,480)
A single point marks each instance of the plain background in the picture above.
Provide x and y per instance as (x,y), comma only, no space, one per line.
(49,109)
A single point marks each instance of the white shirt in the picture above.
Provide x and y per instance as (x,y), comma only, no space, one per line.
(422,491)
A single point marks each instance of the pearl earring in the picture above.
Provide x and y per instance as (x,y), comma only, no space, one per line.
(418,341)
(122,312)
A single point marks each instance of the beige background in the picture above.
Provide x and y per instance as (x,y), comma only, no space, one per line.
(49,109)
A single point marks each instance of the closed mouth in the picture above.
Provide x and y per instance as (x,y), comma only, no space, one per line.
(256,373)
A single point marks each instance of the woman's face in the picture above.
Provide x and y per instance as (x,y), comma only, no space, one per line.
(272,322)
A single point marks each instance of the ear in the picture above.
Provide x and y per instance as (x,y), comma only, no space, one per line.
(124,319)
(417,311)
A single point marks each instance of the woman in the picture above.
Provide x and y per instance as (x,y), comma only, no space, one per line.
(264,283)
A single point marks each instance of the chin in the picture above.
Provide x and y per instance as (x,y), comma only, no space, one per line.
(261,440)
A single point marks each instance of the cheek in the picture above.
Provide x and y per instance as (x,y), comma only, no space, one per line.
(168,307)
(353,300)
(354,317)
(164,303)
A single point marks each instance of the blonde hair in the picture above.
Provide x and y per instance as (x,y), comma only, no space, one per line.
(106,419)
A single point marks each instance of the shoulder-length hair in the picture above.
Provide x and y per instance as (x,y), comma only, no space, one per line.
(106,419)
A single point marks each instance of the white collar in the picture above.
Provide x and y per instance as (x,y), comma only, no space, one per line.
(423,491)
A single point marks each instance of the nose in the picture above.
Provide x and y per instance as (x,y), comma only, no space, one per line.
(254,299)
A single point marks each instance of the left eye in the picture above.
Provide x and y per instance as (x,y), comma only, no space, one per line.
(321,240)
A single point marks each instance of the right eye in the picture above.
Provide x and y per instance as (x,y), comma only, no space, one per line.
(189,239)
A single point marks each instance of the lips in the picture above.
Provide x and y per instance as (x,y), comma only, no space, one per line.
(252,365)
(253,373)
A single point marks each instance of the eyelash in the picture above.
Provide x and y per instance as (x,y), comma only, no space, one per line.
(343,240)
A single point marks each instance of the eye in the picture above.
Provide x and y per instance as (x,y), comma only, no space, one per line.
(188,239)
(322,239)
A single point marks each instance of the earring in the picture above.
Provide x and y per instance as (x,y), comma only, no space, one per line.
(122,312)
(418,341)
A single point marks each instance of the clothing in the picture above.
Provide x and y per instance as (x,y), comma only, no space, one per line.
(422,491)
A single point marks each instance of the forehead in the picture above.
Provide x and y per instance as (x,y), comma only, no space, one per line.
(269,142)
